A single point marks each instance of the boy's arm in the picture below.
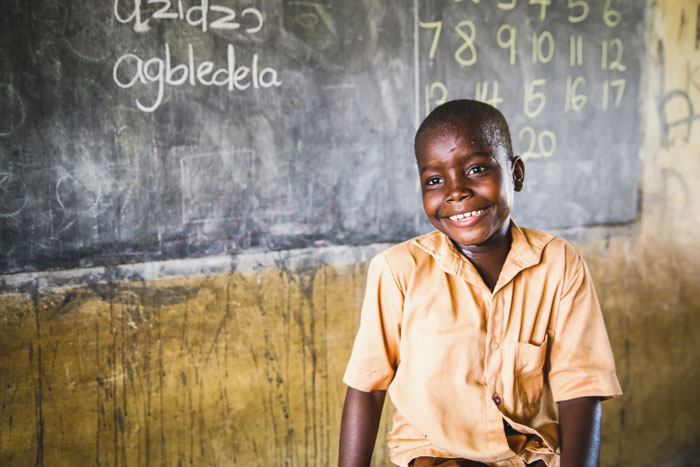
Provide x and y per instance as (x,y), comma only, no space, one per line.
(358,429)
(579,431)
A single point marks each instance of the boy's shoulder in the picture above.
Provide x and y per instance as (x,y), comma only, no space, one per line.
(403,258)
(556,257)
(533,246)
(414,248)
(550,248)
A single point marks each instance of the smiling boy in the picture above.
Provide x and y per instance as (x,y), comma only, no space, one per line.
(488,336)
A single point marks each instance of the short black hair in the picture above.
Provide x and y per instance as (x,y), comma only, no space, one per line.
(453,112)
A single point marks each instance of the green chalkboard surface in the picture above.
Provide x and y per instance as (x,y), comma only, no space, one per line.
(137,130)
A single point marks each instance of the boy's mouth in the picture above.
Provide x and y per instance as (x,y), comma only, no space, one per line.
(466,215)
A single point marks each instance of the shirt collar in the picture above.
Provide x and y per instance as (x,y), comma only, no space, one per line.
(525,251)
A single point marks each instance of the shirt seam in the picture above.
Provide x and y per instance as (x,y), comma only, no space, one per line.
(393,277)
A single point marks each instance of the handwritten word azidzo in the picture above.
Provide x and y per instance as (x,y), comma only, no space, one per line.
(160,71)
(204,16)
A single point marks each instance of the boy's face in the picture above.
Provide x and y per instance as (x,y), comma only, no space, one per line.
(467,189)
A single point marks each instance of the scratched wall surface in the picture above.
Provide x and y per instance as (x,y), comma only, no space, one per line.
(226,369)
(648,279)
(244,367)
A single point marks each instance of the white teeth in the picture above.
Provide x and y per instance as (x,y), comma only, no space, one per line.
(458,217)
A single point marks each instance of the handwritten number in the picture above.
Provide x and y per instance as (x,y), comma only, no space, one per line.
(545,142)
(507,6)
(437,25)
(543,7)
(510,42)
(610,16)
(617,63)
(584,10)
(468,43)
(429,90)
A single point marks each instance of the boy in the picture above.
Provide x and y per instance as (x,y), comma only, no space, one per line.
(478,328)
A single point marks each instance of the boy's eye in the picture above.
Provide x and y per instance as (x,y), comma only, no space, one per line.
(432,181)
(476,169)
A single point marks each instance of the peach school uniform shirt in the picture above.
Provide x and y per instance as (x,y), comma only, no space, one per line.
(458,359)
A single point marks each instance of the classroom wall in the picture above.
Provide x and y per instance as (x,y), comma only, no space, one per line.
(238,360)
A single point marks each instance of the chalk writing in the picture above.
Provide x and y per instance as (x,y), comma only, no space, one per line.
(697,28)
(430,100)
(538,97)
(208,195)
(574,100)
(13,113)
(538,46)
(675,106)
(617,83)
(233,76)
(204,16)
(437,25)
(73,194)
(462,38)
(574,4)
(667,124)
(575,50)
(543,6)
(13,193)
(482,93)
(542,145)
(468,44)
(50,12)
(507,43)
(610,16)
(675,194)
(131,69)
(616,64)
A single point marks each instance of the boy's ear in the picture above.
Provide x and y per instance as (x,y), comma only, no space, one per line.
(517,167)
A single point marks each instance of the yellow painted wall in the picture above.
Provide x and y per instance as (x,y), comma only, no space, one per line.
(244,368)
(227,369)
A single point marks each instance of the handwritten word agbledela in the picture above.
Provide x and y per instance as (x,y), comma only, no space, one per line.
(131,69)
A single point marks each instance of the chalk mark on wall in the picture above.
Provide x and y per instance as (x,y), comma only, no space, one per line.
(90,42)
(203,176)
(311,18)
(50,12)
(678,100)
(69,185)
(697,28)
(13,193)
(13,110)
(673,181)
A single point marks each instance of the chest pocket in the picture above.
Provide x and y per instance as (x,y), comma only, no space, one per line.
(529,369)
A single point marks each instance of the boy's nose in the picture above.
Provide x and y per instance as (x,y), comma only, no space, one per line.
(459,192)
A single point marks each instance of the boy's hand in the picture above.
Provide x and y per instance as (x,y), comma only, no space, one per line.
(358,429)
(579,431)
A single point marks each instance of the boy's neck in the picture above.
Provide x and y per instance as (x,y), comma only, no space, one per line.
(489,258)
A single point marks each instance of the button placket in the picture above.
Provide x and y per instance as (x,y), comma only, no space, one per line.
(493,336)
(493,360)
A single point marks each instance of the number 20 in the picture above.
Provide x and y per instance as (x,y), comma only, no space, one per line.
(544,150)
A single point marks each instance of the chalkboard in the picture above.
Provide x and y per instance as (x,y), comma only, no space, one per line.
(110,155)
(138,130)
(566,75)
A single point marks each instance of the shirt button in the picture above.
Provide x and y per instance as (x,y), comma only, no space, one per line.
(494,345)
(497,399)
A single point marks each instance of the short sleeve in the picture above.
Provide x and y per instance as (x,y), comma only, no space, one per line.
(581,359)
(375,353)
